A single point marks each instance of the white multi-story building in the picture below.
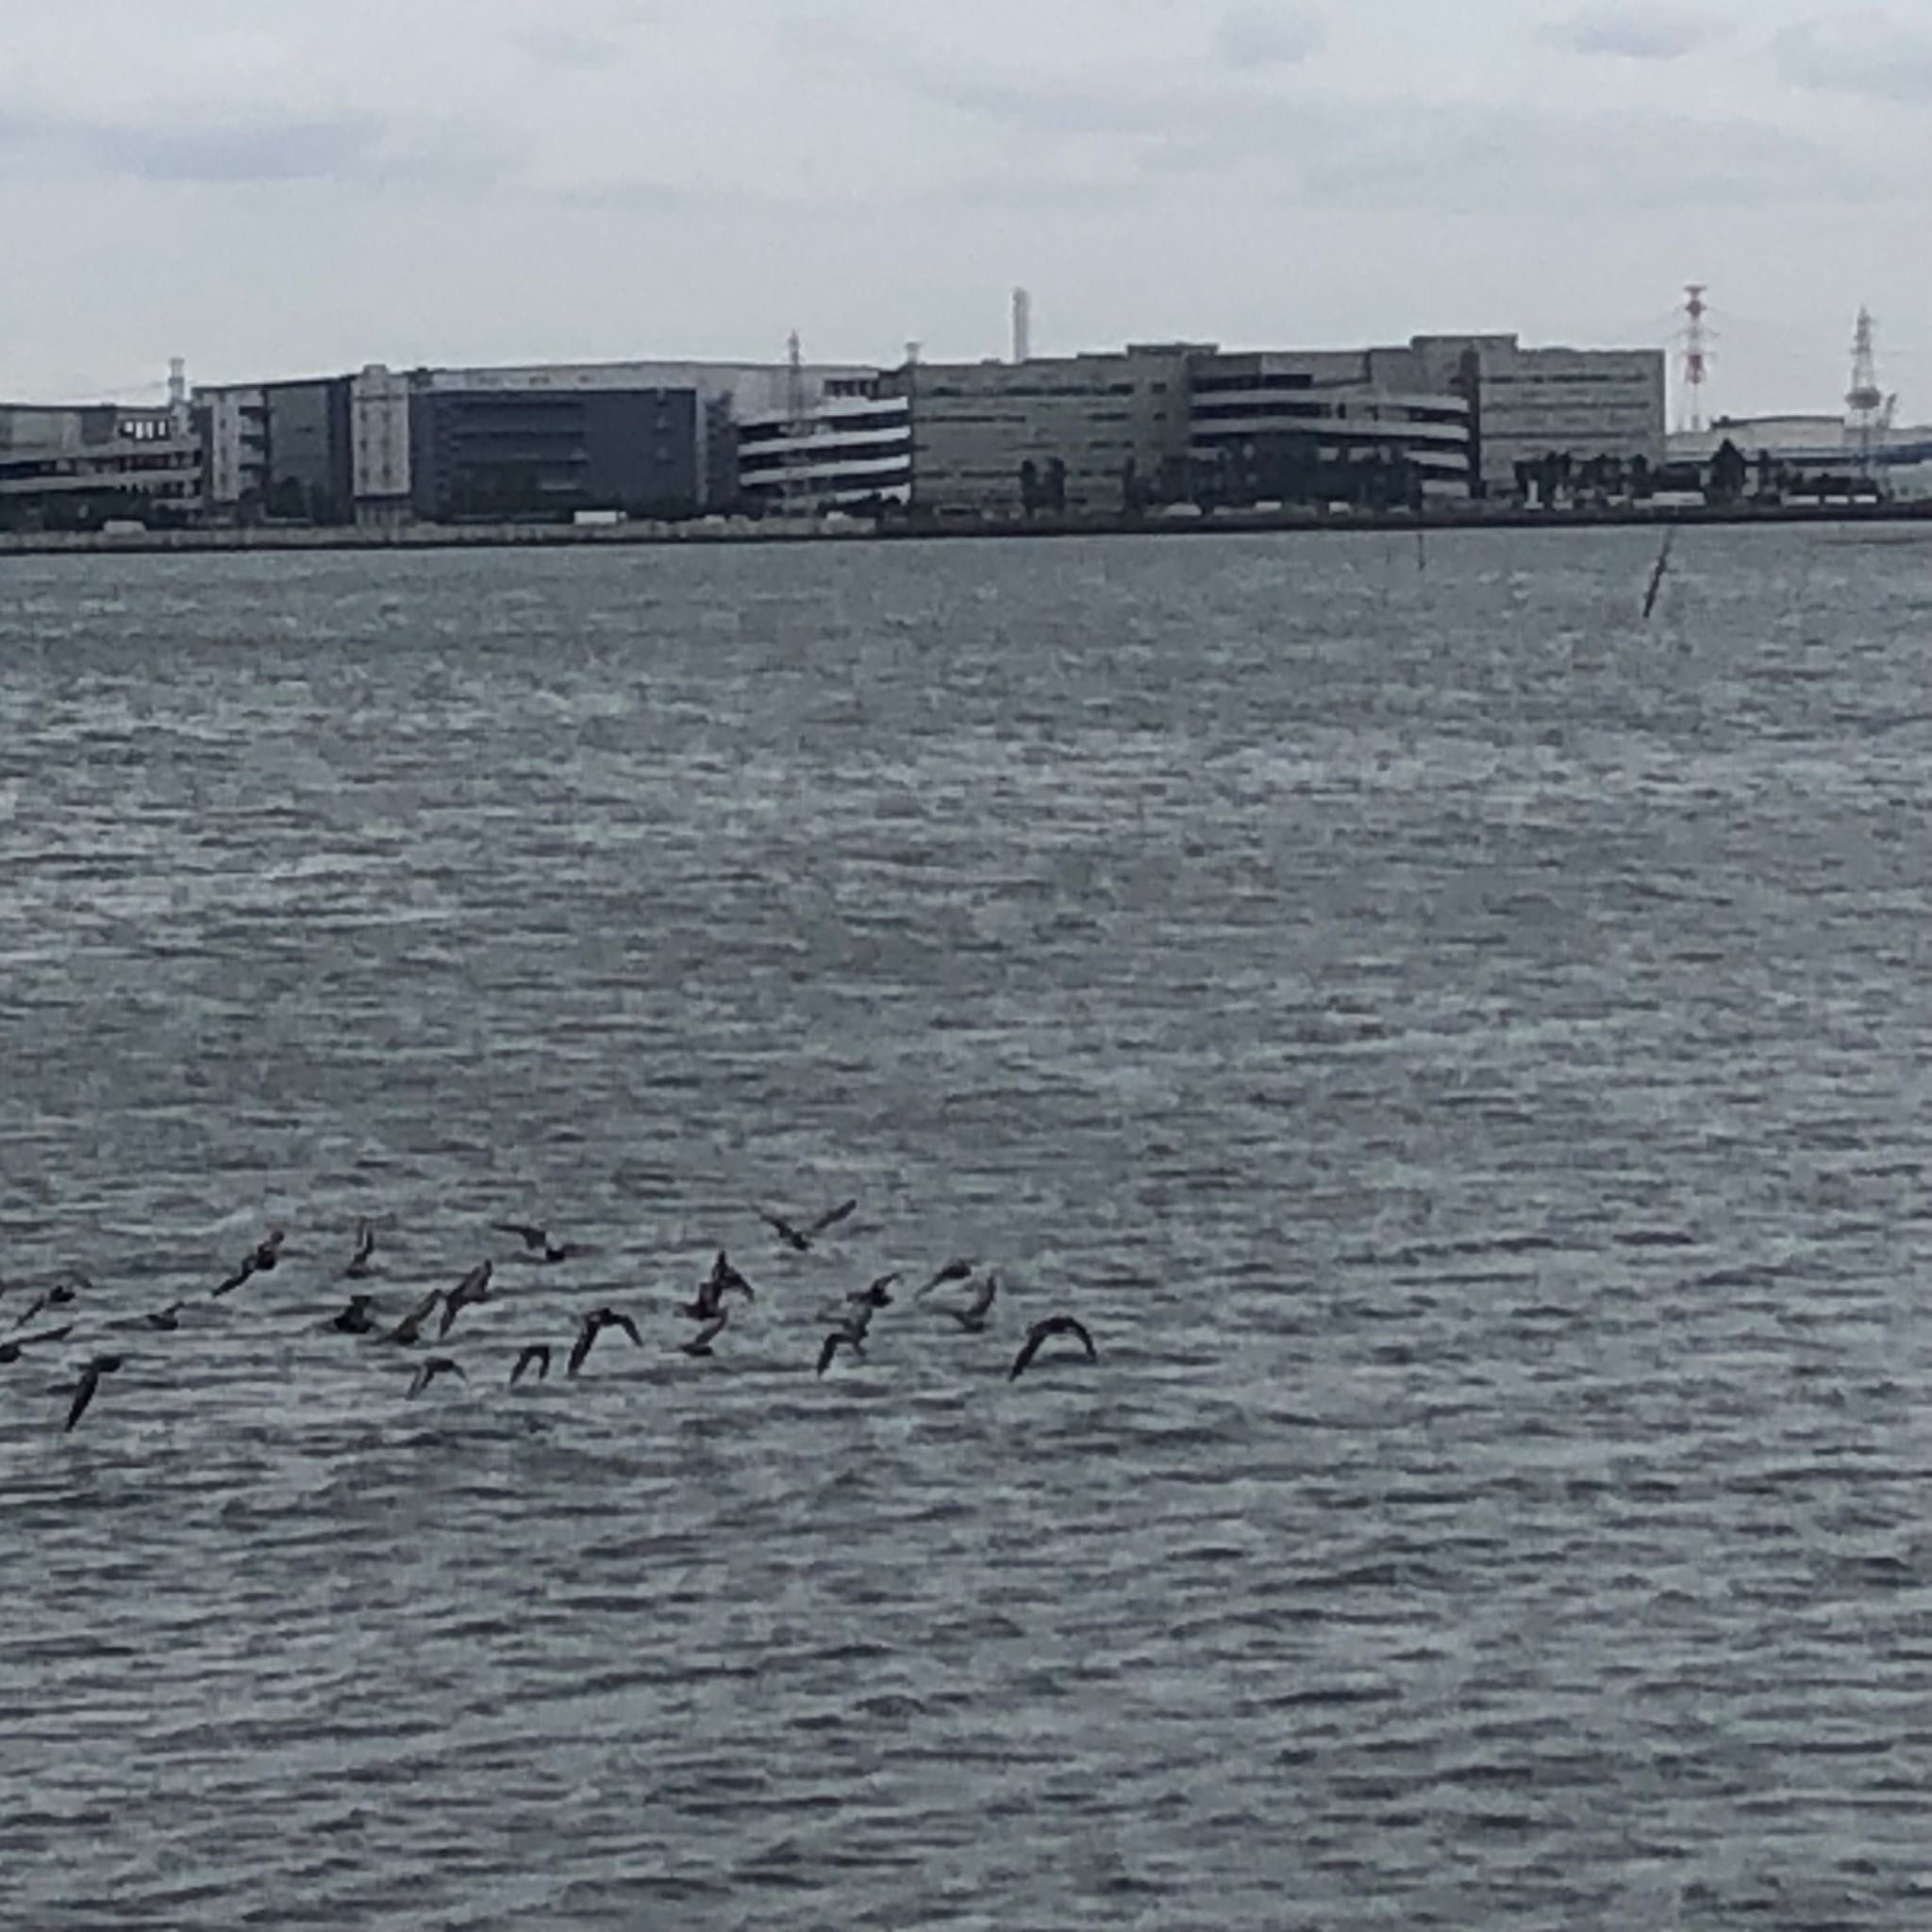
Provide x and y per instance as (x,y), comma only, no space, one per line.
(379,450)
(851,448)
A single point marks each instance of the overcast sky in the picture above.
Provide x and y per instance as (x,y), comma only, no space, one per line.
(271,187)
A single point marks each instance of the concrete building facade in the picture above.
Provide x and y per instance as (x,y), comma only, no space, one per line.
(280,450)
(381,475)
(1532,402)
(851,449)
(727,391)
(75,467)
(1318,425)
(1078,435)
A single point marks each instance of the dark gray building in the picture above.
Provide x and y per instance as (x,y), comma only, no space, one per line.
(500,454)
(310,475)
(280,450)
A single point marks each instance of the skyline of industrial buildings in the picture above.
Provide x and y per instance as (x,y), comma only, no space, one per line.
(1149,429)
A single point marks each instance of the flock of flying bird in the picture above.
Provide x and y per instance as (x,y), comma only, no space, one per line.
(709,1308)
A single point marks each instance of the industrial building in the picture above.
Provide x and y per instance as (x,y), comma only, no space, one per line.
(1093,435)
(387,445)
(1325,425)
(1078,435)
(1440,417)
(280,450)
(851,450)
(500,456)
(1794,456)
(1533,403)
(75,468)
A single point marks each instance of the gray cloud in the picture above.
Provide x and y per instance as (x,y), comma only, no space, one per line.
(209,148)
(1081,140)
(1279,35)
(1634,29)
(1858,51)
(1500,159)
(577,48)
(653,196)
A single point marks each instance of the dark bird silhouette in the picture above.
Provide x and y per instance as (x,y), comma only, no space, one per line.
(427,1371)
(700,1344)
(472,1289)
(365,1250)
(355,1318)
(724,1279)
(90,1381)
(61,1295)
(855,1323)
(168,1319)
(1042,1332)
(12,1349)
(592,1325)
(537,1355)
(838,1339)
(538,1246)
(800,1238)
(409,1331)
(953,1271)
(974,1315)
(875,1296)
(260,1259)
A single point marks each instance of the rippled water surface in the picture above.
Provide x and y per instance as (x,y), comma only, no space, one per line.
(1464,1054)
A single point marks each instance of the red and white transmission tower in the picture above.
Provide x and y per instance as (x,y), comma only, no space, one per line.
(1696,352)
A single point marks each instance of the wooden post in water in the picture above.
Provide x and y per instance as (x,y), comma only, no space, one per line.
(1656,575)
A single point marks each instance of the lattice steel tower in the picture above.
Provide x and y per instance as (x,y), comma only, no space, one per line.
(1864,400)
(1696,352)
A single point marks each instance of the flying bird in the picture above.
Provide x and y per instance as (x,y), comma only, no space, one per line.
(537,1355)
(427,1371)
(260,1259)
(974,1315)
(365,1248)
(90,1381)
(409,1331)
(800,1238)
(61,1295)
(838,1339)
(592,1325)
(700,1344)
(1042,1332)
(11,1349)
(472,1289)
(355,1318)
(953,1271)
(724,1279)
(876,1295)
(538,1246)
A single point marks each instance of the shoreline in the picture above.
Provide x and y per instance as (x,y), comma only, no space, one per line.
(438,537)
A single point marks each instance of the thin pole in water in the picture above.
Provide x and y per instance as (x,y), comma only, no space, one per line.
(1656,575)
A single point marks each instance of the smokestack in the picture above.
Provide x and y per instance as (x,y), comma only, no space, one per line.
(1023,325)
